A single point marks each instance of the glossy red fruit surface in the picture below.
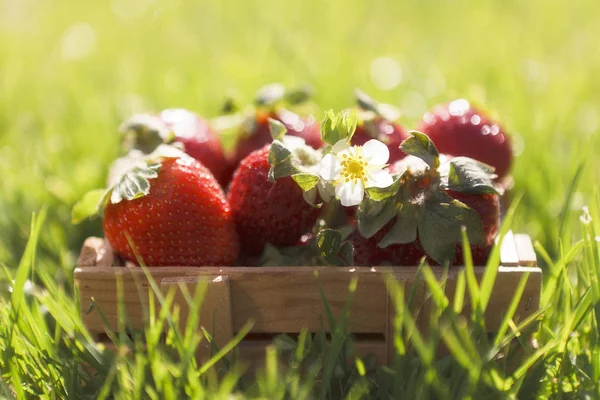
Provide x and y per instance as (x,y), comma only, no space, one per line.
(199,140)
(459,129)
(267,212)
(257,134)
(367,253)
(185,220)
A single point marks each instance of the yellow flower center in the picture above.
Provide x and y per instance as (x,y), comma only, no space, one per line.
(353,168)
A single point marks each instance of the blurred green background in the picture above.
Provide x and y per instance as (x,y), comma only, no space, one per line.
(70,71)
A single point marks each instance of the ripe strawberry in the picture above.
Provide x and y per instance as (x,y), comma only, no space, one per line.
(267,212)
(256,134)
(458,129)
(377,122)
(368,253)
(199,140)
(436,195)
(175,213)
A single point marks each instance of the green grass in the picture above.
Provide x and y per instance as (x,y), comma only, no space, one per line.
(71,71)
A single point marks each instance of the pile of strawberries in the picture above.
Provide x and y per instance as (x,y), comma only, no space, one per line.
(294,191)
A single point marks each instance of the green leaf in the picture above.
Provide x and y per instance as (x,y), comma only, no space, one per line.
(469,176)
(134,184)
(145,132)
(336,127)
(280,159)
(404,229)
(379,194)
(439,226)
(310,196)
(372,215)
(269,94)
(88,205)
(419,145)
(306,181)
(277,129)
(365,102)
(329,242)
(278,153)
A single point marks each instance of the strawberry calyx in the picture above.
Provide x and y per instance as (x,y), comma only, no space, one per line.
(145,132)
(420,205)
(370,109)
(271,101)
(275,94)
(129,179)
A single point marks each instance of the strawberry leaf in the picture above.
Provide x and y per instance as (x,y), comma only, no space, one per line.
(310,196)
(367,103)
(463,174)
(280,159)
(439,226)
(336,127)
(404,229)
(329,243)
(379,194)
(88,206)
(372,215)
(134,184)
(286,256)
(419,145)
(145,132)
(277,129)
(306,181)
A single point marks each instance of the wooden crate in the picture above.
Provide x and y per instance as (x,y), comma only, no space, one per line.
(287,299)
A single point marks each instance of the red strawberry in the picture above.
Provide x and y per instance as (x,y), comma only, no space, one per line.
(199,140)
(256,134)
(375,122)
(267,212)
(458,129)
(424,215)
(368,253)
(182,220)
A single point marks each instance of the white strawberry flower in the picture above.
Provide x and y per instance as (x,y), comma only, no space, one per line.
(352,169)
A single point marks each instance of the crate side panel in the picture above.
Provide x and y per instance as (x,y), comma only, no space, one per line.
(288,302)
(503,291)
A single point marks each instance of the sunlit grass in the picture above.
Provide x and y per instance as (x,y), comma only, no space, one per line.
(71,71)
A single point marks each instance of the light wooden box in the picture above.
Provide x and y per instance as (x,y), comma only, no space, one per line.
(287,299)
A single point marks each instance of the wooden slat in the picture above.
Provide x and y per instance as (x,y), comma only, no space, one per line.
(525,250)
(287,299)
(95,252)
(504,288)
(252,353)
(215,314)
(278,299)
(508,251)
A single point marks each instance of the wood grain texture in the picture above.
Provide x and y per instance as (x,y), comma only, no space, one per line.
(287,299)
(215,312)
(95,252)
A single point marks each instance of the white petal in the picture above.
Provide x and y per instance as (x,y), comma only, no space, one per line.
(376,152)
(340,146)
(349,193)
(379,178)
(330,167)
